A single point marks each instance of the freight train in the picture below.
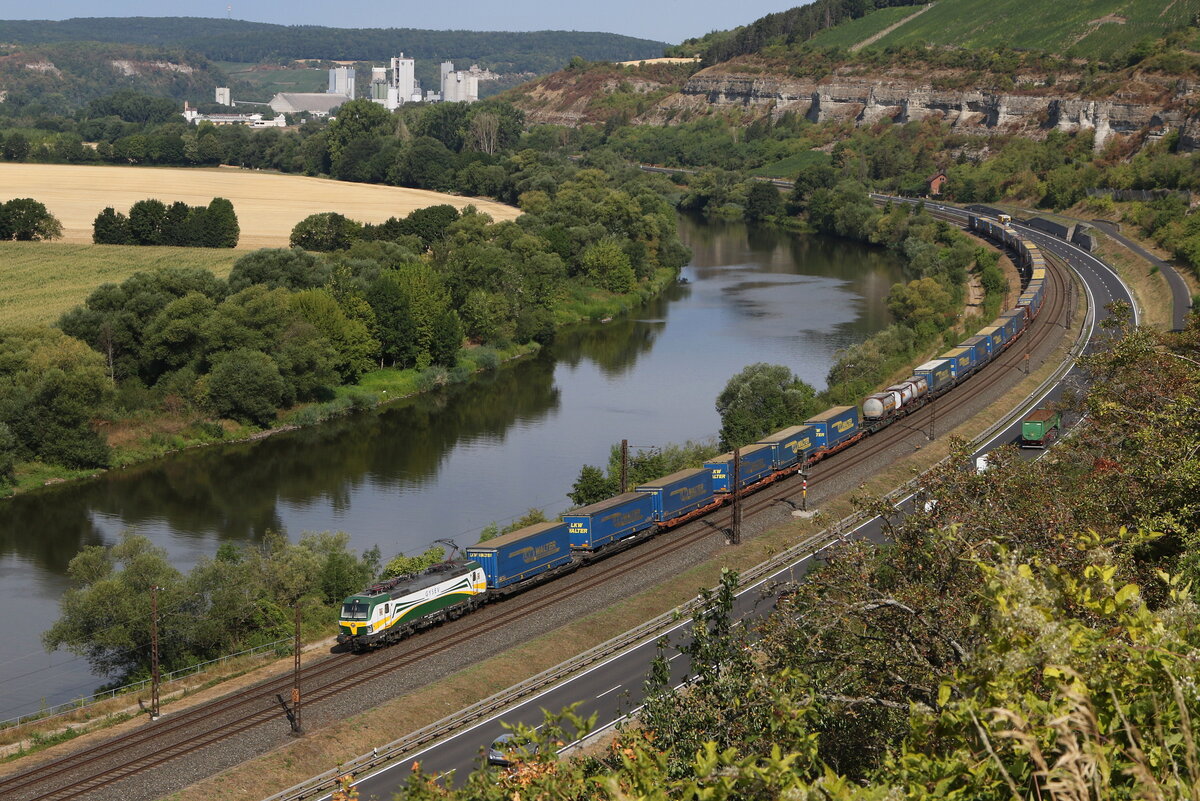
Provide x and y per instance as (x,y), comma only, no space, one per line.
(391,610)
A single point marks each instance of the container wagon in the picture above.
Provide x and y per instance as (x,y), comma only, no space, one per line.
(604,522)
(526,554)
(790,447)
(961,360)
(937,375)
(680,495)
(1040,428)
(835,427)
(996,340)
(981,347)
(756,463)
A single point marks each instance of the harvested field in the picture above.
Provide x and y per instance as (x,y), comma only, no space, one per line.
(268,204)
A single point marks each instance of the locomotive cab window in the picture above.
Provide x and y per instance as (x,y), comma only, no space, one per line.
(355,610)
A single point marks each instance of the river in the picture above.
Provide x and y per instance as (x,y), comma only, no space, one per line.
(446,465)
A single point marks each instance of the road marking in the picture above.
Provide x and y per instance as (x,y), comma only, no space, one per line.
(606,692)
(673,658)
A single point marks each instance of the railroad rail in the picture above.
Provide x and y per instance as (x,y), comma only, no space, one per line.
(176,735)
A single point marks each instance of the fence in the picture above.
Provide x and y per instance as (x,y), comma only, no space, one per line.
(68,707)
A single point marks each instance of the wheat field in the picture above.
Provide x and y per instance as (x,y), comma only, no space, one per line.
(268,204)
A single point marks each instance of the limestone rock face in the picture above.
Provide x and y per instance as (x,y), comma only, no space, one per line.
(871,100)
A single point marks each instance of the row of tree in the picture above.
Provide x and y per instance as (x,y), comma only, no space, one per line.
(152,222)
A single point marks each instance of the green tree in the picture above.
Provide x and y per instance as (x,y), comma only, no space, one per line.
(290,268)
(592,486)
(446,338)
(763,202)
(105,614)
(325,232)
(246,385)
(219,227)
(358,119)
(409,565)
(762,398)
(146,221)
(26,220)
(607,265)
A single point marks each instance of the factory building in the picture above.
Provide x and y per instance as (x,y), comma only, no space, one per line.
(223,96)
(316,103)
(341,81)
(458,86)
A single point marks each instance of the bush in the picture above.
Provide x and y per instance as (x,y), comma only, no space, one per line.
(245,385)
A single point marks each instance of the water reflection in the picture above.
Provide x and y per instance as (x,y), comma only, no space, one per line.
(448,463)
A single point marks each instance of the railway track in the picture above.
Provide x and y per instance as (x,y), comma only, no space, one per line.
(171,737)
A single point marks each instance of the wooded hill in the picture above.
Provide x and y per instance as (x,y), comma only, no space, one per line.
(240,41)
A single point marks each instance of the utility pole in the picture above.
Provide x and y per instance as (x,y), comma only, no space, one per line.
(296,727)
(735,487)
(624,466)
(1027,363)
(932,422)
(154,712)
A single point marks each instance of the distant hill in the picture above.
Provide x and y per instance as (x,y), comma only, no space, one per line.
(59,79)
(1101,29)
(239,41)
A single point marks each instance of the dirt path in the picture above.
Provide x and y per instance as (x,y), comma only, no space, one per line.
(870,40)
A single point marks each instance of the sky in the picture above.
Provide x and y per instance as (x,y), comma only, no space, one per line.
(664,20)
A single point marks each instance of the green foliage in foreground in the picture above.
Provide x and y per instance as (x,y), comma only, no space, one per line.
(1012,639)
(241,598)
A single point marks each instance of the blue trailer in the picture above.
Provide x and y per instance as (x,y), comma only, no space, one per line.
(937,375)
(756,463)
(1032,300)
(607,521)
(680,493)
(962,361)
(523,554)
(791,446)
(981,345)
(995,334)
(1013,321)
(834,426)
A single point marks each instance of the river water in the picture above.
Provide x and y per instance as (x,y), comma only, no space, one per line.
(446,465)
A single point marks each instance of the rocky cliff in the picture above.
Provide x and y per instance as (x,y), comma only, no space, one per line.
(1153,108)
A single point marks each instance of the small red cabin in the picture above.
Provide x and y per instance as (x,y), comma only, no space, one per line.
(936,182)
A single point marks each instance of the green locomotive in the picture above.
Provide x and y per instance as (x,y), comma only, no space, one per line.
(391,610)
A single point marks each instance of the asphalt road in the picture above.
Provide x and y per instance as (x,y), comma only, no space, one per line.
(1181,296)
(614,688)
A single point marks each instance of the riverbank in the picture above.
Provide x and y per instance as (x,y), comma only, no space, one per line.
(146,436)
(333,739)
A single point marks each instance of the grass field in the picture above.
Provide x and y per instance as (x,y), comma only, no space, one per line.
(856,30)
(44,279)
(1092,28)
(267,82)
(268,205)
